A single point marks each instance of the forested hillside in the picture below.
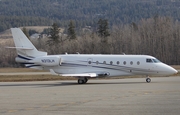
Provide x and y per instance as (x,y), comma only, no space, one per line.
(158,36)
(149,27)
(15,13)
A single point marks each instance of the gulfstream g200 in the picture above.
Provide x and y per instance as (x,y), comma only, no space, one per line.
(83,66)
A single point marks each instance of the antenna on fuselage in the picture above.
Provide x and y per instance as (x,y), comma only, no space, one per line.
(123,53)
(66,53)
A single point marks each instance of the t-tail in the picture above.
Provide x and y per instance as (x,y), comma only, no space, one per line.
(26,51)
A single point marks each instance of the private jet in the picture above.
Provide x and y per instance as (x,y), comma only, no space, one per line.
(86,66)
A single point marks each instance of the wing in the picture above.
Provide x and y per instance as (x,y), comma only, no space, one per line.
(81,75)
(98,74)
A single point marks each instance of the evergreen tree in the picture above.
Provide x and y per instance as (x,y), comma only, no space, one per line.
(31,32)
(103,28)
(54,35)
(103,33)
(71,31)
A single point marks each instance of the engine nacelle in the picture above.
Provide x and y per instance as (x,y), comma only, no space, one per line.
(47,60)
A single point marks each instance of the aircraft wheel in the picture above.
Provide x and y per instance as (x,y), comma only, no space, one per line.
(85,80)
(81,81)
(148,80)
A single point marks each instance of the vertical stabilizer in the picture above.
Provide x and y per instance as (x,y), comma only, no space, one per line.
(23,45)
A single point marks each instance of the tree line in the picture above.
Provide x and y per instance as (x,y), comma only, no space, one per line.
(157,36)
(7,22)
(83,12)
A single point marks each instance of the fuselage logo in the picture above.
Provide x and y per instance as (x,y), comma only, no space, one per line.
(48,61)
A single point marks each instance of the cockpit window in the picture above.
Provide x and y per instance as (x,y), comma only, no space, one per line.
(149,61)
(156,60)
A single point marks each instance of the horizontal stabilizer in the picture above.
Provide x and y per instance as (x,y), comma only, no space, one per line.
(22,48)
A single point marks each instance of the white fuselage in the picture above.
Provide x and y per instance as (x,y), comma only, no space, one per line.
(113,65)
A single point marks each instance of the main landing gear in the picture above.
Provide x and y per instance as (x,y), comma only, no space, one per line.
(82,80)
(148,80)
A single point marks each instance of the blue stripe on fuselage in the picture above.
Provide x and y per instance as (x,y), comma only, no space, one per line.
(22,57)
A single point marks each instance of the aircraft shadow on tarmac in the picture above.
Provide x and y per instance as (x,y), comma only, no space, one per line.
(57,84)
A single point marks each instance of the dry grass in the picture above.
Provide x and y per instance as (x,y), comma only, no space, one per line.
(177,67)
(40,28)
(11,70)
(6,41)
(6,34)
(17,78)
(36,28)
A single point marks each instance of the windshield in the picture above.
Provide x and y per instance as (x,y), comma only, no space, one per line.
(149,60)
(156,61)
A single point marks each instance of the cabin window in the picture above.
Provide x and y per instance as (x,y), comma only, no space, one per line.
(149,61)
(138,63)
(131,62)
(111,62)
(124,62)
(118,62)
(97,62)
(89,62)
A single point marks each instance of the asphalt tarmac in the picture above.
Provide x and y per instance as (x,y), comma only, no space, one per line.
(97,97)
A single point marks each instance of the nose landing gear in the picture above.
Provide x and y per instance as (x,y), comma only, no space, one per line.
(148,80)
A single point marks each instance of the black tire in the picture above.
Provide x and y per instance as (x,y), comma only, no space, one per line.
(85,80)
(80,81)
(148,80)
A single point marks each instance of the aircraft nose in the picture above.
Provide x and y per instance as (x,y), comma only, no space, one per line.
(167,70)
(172,70)
(175,72)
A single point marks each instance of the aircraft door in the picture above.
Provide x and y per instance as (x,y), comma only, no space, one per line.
(60,61)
